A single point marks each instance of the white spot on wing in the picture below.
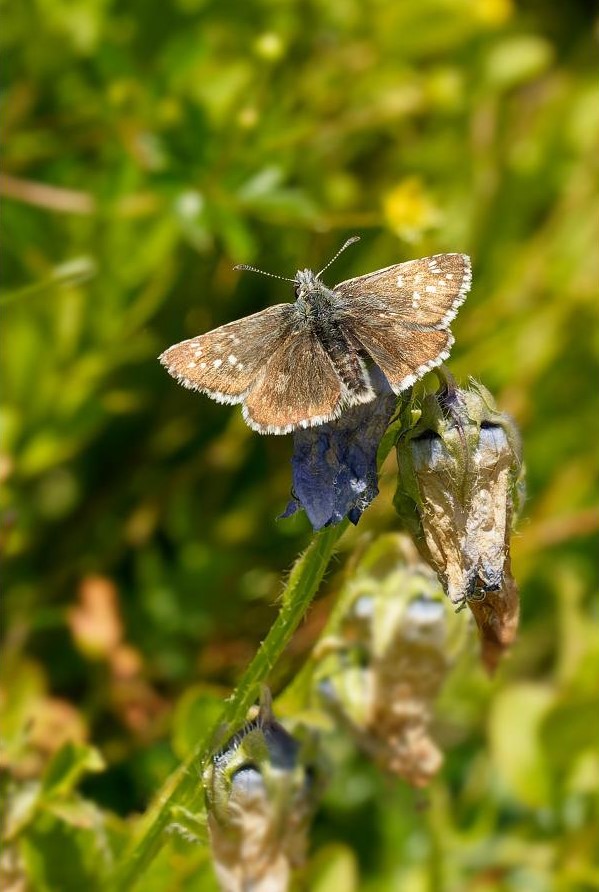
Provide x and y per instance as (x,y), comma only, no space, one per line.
(432,289)
(217,363)
(232,359)
(400,281)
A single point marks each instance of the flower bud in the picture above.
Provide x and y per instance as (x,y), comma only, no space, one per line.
(334,464)
(389,650)
(460,485)
(260,800)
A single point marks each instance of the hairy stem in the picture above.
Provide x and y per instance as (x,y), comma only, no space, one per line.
(184,787)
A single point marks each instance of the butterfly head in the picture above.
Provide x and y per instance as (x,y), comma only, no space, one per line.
(306,283)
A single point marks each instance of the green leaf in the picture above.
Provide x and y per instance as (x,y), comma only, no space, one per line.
(60,857)
(517,755)
(67,767)
(197,710)
(518,60)
(333,868)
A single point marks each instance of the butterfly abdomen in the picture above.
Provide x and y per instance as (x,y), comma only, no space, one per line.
(320,310)
(345,358)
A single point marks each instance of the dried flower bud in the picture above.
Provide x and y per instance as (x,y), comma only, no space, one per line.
(334,464)
(497,618)
(460,485)
(260,800)
(386,656)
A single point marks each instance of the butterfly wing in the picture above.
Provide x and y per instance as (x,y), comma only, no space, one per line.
(401,315)
(428,291)
(298,387)
(225,362)
(404,356)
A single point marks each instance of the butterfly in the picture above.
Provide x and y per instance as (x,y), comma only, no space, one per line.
(296,365)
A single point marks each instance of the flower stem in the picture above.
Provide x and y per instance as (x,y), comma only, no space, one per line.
(184,787)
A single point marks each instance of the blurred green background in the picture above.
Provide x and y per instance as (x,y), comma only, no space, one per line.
(147,148)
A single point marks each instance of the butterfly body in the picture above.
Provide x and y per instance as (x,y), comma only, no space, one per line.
(321,310)
(300,364)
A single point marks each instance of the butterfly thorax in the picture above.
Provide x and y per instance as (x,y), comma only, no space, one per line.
(315,304)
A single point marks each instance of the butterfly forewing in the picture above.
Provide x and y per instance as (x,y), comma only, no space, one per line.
(224,363)
(297,388)
(401,315)
(425,292)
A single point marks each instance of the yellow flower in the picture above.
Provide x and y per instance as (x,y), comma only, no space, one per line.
(269,46)
(493,12)
(409,211)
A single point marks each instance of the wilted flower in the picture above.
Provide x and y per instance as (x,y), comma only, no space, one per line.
(460,485)
(334,464)
(385,657)
(260,800)
(497,616)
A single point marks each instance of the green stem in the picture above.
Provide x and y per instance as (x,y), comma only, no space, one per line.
(184,787)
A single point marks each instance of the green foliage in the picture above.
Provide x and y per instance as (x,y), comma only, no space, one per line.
(147,149)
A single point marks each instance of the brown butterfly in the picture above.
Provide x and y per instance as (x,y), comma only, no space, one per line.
(300,364)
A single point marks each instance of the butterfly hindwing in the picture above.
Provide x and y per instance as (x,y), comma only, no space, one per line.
(402,354)
(298,387)
(225,362)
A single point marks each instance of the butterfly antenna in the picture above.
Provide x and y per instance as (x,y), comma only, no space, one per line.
(253,269)
(350,241)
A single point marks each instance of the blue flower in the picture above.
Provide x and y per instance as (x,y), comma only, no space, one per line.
(334,465)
